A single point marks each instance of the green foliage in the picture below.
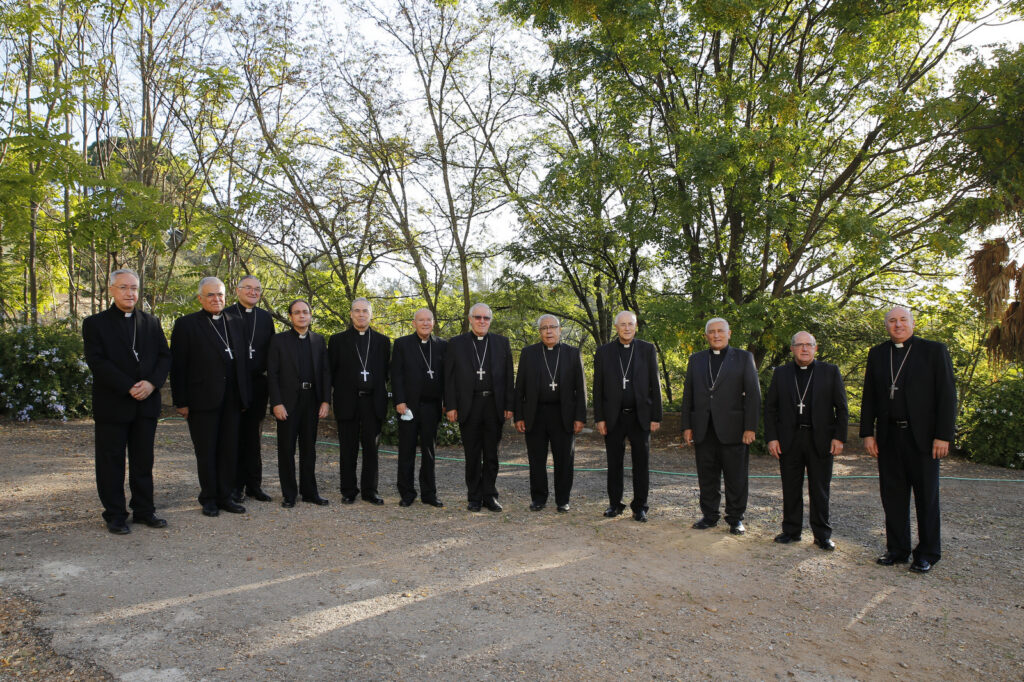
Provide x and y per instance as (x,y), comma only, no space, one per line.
(993,431)
(447,433)
(42,374)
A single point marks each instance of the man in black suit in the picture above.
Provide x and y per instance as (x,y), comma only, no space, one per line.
(258,330)
(210,388)
(127,352)
(359,359)
(627,404)
(550,407)
(479,395)
(907,419)
(417,387)
(805,421)
(299,384)
(721,406)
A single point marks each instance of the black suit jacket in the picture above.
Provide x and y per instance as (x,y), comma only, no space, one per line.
(198,375)
(829,415)
(409,372)
(345,368)
(283,370)
(533,378)
(460,376)
(736,406)
(108,352)
(646,383)
(930,392)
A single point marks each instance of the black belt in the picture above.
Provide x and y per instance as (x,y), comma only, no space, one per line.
(900,423)
(628,410)
(805,427)
(306,385)
(363,394)
(482,394)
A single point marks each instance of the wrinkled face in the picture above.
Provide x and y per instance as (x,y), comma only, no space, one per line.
(803,348)
(718,335)
(360,315)
(125,292)
(249,291)
(480,320)
(625,327)
(550,331)
(300,317)
(211,297)
(899,324)
(423,322)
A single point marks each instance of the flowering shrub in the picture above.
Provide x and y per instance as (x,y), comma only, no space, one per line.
(43,374)
(993,432)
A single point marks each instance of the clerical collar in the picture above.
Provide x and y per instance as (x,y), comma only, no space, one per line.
(807,366)
(426,340)
(127,314)
(212,316)
(362,333)
(624,345)
(898,345)
(302,336)
(716,352)
(248,310)
(480,338)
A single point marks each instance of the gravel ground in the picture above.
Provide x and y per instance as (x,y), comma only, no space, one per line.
(390,592)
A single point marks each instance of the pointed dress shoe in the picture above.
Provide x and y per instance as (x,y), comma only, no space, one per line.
(232,508)
(118,528)
(536,506)
(259,495)
(786,538)
(737,528)
(287,504)
(374,499)
(826,544)
(405,503)
(492,504)
(210,510)
(888,559)
(614,510)
(563,508)
(474,506)
(316,499)
(703,524)
(920,566)
(151,521)
(434,503)
(640,515)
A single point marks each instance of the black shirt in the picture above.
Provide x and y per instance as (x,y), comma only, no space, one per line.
(362,344)
(431,387)
(626,369)
(223,342)
(551,357)
(483,351)
(804,376)
(305,357)
(898,404)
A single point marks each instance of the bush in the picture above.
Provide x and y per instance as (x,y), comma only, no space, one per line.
(447,433)
(993,430)
(43,374)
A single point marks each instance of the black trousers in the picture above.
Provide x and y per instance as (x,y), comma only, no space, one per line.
(903,468)
(803,455)
(548,429)
(627,427)
(715,461)
(481,433)
(113,439)
(363,431)
(300,427)
(422,428)
(249,472)
(215,439)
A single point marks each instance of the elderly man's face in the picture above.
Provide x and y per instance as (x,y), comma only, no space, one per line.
(360,315)
(625,327)
(803,348)
(249,291)
(550,331)
(211,297)
(423,321)
(899,324)
(480,320)
(718,335)
(125,291)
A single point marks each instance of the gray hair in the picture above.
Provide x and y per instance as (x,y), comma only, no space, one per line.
(908,311)
(625,312)
(792,340)
(248,277)
(206,280)
(481,305)
(122,271)
(715,320)
(362,299)
(422,310)
(546,316)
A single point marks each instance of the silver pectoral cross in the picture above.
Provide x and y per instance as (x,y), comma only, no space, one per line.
(430,373)
(624,382)
(136,354)
(228,351)
(801,406)
(251,351)
(480,373)
(553,385)
(366,376)
(892,391)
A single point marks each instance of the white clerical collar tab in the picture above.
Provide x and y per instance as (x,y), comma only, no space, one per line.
(425,340)
(362,333)
(127,314)
(479,338)
(716,352)
(899,345)
(216,317)
(302,336)
(804,366)
(248,310)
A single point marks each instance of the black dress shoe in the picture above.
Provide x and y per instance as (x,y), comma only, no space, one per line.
(825,543)
(237,496)
(374,499)
(152,521)
(704,524)
(287,504)
(405,503)
(563,508)
(492,504)
(473,506)
(888,559)
(317,500)
(737,528)
(536,506)
(118,527)
(232,508)
(434,503)
(786,538)
(259,495)
(614,510)
(210,510)
(348,499)
(640,515)
(921,566)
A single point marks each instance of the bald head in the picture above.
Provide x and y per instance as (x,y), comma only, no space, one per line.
(899,322)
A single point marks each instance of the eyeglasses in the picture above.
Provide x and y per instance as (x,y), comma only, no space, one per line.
(802,345)
(252,290)
(549,327)
(481,318)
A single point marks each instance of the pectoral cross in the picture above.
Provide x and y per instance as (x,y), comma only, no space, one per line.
(801,406)
(251,351)
(624,382)
(892,391)
(230,354)
(366,376)
(553,385)
(480,373)
(430,373)
(136,354)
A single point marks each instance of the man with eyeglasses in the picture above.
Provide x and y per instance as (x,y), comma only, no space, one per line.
(479,396)
(550,408)
(627,405)
(805,422)
(359,358)
(907,419)
(258,329)
(210,388)
(127,352)
(720,410)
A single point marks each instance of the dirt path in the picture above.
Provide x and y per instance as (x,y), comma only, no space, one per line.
(390,593)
